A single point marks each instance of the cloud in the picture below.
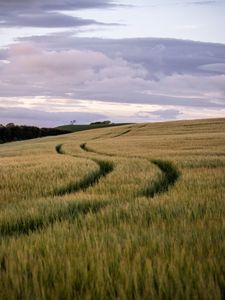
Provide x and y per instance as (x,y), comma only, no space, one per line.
(22,116)
(47,15)
(47,20)
(69,72)
(203,2)
(64,69)
(218,68)
(160,55)
(53,4)
(156,71)
(161,114)
(171,74)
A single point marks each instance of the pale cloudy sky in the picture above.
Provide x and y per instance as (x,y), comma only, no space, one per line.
(93,60)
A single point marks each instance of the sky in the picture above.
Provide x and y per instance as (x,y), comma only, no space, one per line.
(124,61)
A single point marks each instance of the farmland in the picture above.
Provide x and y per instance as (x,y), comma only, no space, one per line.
(129,212)
(76,128)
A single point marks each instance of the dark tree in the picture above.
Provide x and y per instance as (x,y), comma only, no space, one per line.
(16,133)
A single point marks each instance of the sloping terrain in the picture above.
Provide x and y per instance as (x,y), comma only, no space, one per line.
(129,212)
(75,128)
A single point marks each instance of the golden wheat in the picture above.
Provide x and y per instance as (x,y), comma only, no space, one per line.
(109,239)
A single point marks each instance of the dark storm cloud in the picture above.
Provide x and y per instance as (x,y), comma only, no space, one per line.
(45,14)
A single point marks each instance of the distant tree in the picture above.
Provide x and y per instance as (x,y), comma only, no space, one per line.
(73,122)
(107,122)
(1,126)
(10,125)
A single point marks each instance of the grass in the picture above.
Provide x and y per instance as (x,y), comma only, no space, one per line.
(86,148)
(153,228)
(76,128)
(105,167)
(58,149)
(30,223)
(164,181)
(31,177)
(167,178)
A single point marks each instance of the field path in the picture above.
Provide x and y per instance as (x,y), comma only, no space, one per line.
(105,167)
(70,211)
(167,179)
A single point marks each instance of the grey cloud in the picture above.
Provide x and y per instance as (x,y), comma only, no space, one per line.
(47,20)
(3,54)
(162,114)
(53,4)
(148,71)
(24,116)
(160,56)
(167,114)
(203,2)
(218,68)
(41,14)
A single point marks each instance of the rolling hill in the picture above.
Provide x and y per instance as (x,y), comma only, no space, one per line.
(75,128)
(129,212)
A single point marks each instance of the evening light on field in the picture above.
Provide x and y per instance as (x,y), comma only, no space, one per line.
(112,149)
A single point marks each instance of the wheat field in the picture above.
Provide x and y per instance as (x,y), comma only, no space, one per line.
(129,212)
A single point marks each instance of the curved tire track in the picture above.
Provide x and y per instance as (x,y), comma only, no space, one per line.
(29,224)
(72,210)
(105,167)
(166,180)
(87,149)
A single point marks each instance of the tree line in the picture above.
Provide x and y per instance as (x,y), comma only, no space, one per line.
(12,132)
